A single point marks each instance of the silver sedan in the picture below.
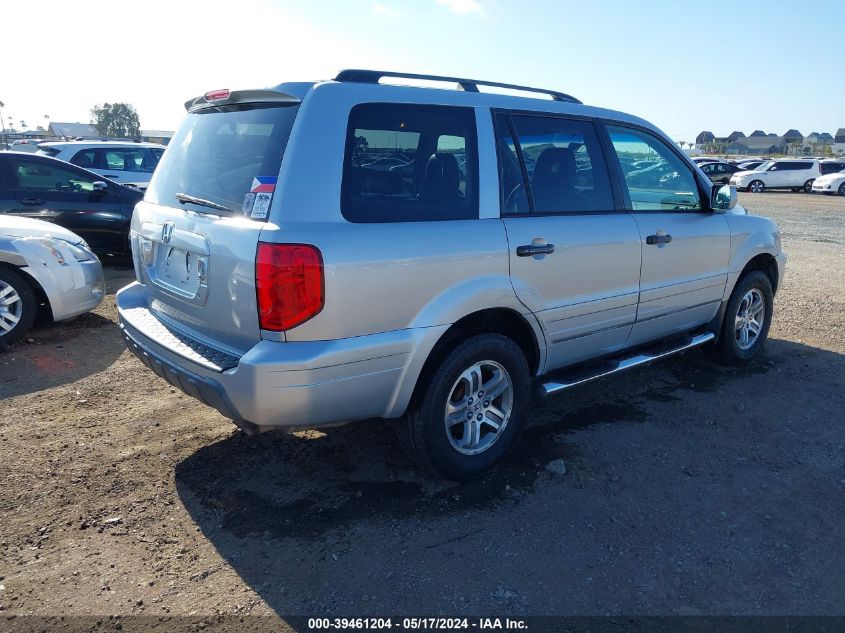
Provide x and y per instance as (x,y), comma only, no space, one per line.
(45,270)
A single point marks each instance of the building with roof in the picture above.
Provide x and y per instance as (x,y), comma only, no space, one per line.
(704,138)
(817,142)
(156,136)
(757,146)
(839,141)
(819,138)
(62,130)
(760,143)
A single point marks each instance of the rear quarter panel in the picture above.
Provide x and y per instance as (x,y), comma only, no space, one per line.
(385,276)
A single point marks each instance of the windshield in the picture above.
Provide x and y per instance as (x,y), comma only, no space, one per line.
(764,166)
(228,156)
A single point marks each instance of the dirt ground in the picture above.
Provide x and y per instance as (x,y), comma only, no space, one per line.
(689,488)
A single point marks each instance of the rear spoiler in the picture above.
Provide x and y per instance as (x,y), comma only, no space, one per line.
(225,97)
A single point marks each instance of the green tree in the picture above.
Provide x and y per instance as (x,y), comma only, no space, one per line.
(116,120)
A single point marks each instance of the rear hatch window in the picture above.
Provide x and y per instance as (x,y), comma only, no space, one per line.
(224,160)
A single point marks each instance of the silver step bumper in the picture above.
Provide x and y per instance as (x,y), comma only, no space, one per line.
(589,373)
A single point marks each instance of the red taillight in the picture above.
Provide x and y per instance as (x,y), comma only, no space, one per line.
(289,284)
(217,95)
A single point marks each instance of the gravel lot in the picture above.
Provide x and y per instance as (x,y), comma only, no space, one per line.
(689,488)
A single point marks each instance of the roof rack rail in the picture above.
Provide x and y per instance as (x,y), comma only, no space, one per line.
(469,85)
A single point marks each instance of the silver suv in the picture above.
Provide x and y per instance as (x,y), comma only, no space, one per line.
(321,253)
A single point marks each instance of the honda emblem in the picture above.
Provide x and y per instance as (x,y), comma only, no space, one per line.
(166,232)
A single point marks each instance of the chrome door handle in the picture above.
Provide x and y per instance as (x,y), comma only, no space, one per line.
(528,250)
(658,239)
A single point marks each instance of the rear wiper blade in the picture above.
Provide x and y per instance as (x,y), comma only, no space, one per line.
(184,197)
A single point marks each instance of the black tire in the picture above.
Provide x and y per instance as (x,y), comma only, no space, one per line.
(28,306)
(423,433)
(842,189)
(808,186)
(756,183)
(727,349)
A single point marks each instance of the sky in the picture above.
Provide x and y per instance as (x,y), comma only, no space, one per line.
(684,65)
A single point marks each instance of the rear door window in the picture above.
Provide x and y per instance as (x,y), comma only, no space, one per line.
(564,165)
(830,168)
(45,177)
(119,159)
(155,155)
(86,158)
(227,155)
(787,165)
(410,163)
(513,191)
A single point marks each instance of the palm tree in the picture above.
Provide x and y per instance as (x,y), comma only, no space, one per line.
(23,124)
(3,126)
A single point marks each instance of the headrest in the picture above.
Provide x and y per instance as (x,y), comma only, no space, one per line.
(443,169)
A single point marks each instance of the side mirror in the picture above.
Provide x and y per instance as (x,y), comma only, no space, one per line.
(723,197)
(100,187)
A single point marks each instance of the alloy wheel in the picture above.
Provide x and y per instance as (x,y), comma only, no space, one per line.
(478,407)
(11,306)
(749,319)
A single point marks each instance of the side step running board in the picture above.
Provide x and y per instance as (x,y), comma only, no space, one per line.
(563,381)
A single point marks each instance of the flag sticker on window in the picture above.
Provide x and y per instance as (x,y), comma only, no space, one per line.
(261,205)
(263,184)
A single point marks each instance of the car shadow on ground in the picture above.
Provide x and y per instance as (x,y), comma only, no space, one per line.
(277,507)
(53,354)
(58,353)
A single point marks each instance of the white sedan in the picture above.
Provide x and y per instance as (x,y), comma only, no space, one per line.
(831,183)
(45,271)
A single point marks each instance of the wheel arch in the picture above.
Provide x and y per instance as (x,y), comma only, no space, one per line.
(505,321)
(766,263)
(45,310)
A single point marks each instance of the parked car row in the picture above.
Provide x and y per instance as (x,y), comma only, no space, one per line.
(90,205)
(128,163)
(788,173)
(743,163)
(59,207)
(795,174)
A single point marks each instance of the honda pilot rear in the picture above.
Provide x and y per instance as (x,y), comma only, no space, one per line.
(201,295)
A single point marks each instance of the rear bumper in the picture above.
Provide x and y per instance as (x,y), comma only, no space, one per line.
(292,385)
(205,390)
